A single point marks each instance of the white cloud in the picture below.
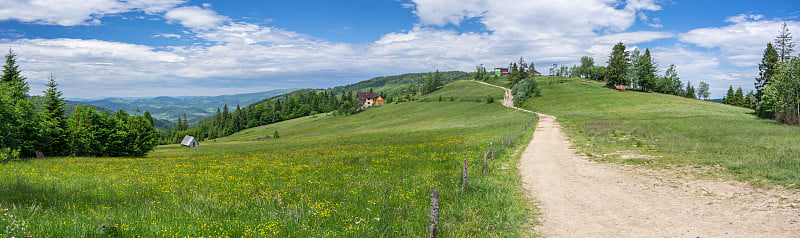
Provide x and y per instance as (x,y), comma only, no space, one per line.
(167,35)
(241,54)
(744,18)
(741,41)
(77,12)
(195,17)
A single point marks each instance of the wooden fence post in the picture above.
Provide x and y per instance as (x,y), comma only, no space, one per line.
(491,149)
(484,162)
(464,177)
(434,214)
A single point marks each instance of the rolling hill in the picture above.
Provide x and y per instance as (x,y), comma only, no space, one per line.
(171,108)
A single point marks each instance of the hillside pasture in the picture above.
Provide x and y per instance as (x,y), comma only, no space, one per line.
(364,175)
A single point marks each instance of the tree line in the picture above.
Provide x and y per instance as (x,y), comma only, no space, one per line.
(777,86)
(27,128)
(638,71)
(297,104)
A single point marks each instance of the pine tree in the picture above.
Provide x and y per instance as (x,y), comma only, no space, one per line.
(784,44)
(728,99)
(13,80)
(767,68)
(53,107)
(738,98)
(617,66)
(689,93)
(646,71)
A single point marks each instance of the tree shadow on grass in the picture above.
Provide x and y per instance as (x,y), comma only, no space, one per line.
(21,192)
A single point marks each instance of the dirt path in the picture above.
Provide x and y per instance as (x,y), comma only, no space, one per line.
(580,198)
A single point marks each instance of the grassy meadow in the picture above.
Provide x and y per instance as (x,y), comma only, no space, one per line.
(672,131)
(364,175)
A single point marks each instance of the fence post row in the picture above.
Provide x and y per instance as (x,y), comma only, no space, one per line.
(433,226)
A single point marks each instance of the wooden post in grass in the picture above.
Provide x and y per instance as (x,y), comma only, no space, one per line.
(434,214)
(502,141)
(509,138)
(484,162)
(464,177)
(491,149)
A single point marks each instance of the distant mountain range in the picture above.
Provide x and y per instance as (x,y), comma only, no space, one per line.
(172,108)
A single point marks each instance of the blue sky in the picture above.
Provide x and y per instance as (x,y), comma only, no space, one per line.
(138,48)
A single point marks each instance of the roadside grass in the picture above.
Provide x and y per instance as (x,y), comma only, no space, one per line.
(672,131)
(364,175)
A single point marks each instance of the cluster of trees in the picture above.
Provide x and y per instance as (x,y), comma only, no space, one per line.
(737,98)
(299,103)
(777,93)
(26,128)
(431,83)
(639,71)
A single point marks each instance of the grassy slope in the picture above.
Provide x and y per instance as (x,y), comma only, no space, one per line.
(683,131)
(464,91)
(368,174)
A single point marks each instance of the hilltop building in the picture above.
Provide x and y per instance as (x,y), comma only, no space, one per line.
(370,99)
(501,71)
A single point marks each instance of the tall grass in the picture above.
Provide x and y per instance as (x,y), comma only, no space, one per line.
(365,175)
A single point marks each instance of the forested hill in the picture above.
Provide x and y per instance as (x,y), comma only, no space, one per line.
(172,108)
(397,83)
(304,102)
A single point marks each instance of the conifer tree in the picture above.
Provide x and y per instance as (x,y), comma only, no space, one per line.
(767,68)
(617,66)
(784,44)
(13,80)
(53,107)
(646,71)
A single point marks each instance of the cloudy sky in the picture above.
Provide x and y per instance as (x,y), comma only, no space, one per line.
(138,48)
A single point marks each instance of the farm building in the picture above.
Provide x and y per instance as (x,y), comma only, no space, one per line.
(501,71)
(190,141)
(370,99)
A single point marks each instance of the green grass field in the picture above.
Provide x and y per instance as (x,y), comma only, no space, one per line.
(465,91)
(365,175)
(674,131)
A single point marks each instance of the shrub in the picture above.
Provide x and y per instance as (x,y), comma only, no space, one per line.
(525,89)
(7,154)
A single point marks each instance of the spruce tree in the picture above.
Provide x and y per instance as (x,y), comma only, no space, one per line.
(689,93)
(767,68)
(617,66)
(53,108)
(646,71)
(13,80)
(784,44)
(728,99)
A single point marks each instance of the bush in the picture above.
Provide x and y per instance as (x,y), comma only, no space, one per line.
(7,154)
(525,89)
(489,99)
